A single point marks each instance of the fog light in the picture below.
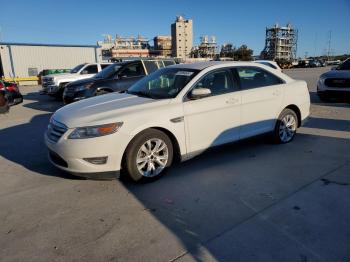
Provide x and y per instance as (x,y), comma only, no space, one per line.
(97,160)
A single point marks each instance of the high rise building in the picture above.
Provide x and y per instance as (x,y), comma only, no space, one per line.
(181,37)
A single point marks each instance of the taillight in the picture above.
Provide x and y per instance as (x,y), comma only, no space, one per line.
(12,88)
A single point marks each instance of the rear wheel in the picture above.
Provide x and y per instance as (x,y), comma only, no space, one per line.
(148,155)
(286,127)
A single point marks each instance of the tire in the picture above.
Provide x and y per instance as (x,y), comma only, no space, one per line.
(154,164)
(285,133)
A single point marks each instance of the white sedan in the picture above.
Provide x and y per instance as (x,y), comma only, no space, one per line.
(175,113)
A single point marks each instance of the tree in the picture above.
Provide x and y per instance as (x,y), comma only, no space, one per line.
(243,53)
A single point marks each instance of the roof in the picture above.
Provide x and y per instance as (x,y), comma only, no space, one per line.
(203,65)
(51,45)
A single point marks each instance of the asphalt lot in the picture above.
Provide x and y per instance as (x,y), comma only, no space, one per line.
(248,201)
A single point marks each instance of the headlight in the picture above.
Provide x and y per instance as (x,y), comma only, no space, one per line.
(322,79)
(95,131)
(84,87)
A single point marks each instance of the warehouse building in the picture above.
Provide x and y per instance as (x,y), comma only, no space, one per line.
(26,61)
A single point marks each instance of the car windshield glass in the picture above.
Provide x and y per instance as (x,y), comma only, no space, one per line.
(76,69)
(108,72)
(345,65)
(164,83)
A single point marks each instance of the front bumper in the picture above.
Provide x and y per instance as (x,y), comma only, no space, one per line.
(69,154)
(73,96)
(51,90)
(325,90)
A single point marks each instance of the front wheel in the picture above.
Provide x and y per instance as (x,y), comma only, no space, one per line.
(148,155)
(286,127)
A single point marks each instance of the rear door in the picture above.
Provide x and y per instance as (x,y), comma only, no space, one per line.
(262,94)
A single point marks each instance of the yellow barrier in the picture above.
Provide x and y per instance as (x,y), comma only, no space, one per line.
(20,79)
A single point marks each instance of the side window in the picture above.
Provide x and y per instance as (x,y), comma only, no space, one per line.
(168,62)
(151,66)
(253,77)
(219,82)
(103,66)
(132,70)
(91,69)
(160,64)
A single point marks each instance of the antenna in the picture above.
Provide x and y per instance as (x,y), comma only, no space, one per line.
(329,44)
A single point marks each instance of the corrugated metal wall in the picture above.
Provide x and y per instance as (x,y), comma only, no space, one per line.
(43,57)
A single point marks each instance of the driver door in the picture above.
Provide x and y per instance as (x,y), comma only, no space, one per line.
(215,119)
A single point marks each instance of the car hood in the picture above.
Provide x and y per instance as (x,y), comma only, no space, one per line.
(336,74)
(103,109)
(59,75)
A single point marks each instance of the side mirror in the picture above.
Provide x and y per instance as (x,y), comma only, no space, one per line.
(199,93)
(84,72)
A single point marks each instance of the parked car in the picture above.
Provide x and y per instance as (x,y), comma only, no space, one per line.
(335,83)
(117,77)
(46,72)
(176,112)
(4,107)
(12,92)
(269,63)
(314,63)
(54,84)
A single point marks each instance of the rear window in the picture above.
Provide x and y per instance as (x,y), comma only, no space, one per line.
(151,66)
(168,62)
(253,77)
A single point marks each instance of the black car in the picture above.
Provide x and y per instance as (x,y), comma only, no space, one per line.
(117,77)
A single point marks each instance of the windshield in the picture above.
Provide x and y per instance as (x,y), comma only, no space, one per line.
(345,65)
(164,83)
(76,69)
(108,72)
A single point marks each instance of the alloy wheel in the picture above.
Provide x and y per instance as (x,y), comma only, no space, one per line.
(152,157)
(287,128)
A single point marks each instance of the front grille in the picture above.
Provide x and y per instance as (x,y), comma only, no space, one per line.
(55,131)
(57,159)
(47,82)
(337,82)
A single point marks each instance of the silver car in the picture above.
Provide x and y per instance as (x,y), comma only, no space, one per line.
(335,83)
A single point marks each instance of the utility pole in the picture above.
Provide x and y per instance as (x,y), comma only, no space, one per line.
(329,44)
